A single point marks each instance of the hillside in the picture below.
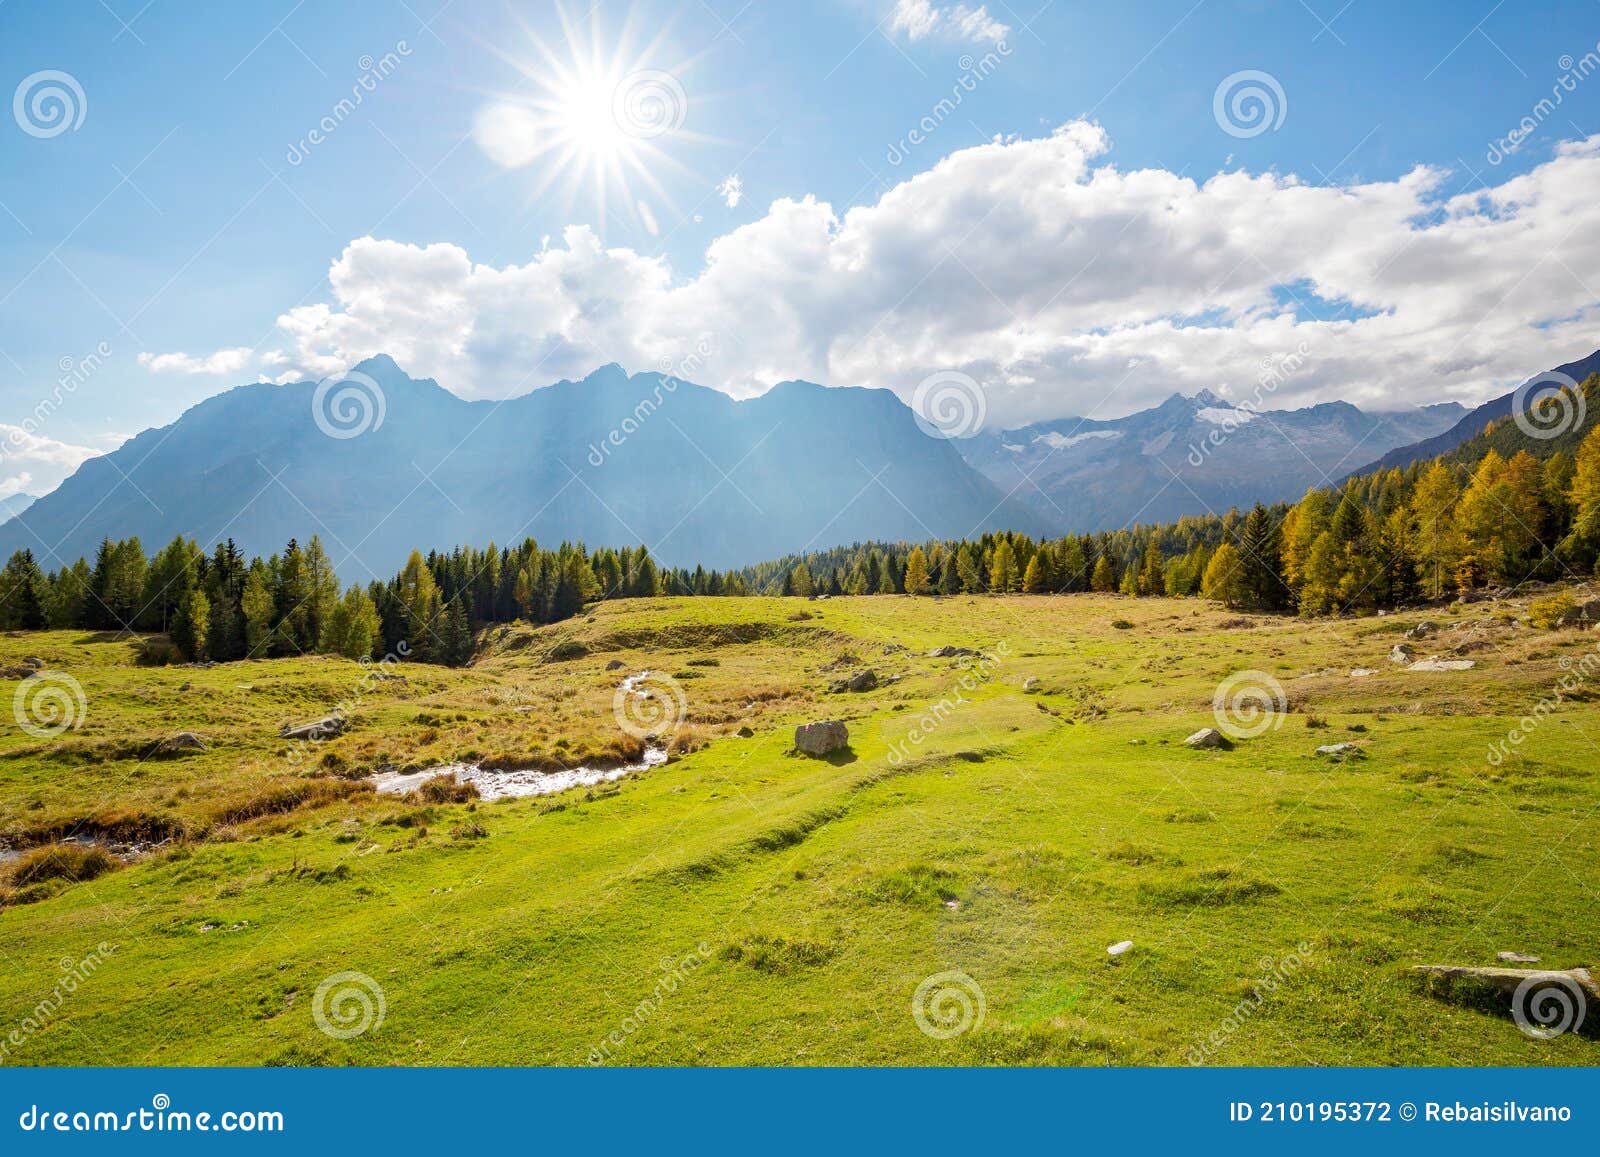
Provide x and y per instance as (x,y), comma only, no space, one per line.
(1474,423)
(800,904)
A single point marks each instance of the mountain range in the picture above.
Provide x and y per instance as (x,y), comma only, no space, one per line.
(382,463)
(695,475)
(1189,456)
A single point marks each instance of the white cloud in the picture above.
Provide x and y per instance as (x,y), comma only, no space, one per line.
(508,134)
(731,190)
(225,361)
(33,464)
(920,19)
(1065,285)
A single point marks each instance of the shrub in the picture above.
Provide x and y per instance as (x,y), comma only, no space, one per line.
(565,650)
(1547,612)
(443,789)
(1122,624)
(74,862)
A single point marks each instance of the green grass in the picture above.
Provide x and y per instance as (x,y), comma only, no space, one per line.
(1012,840)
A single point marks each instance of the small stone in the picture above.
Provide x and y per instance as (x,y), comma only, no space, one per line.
(1362,672)
(1119,948)
(860,681)
(1207,737)
(184,741)
(1401,653)
(1030,683)
(615,665)
(1516,958)
(1340,751)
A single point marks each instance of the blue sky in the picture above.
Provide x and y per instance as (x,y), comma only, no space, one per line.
(184,215)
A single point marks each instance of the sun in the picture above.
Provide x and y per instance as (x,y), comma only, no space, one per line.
(591,122)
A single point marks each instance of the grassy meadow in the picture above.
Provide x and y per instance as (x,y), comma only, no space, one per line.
(1007,818)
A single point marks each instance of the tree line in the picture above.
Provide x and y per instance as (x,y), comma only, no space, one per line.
(1395,536)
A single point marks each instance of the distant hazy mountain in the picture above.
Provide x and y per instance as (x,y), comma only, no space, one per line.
(1474,422)
(1188,456)
(15,505)
(695,475)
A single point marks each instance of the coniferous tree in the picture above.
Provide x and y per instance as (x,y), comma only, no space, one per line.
(191,624)
(916,578)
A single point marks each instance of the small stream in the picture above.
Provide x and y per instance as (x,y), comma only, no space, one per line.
(493,785)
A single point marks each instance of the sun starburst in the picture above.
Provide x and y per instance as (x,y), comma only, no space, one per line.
(594,121)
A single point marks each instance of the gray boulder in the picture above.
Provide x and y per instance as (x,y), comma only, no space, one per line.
(1421,631)
(327,728)
(615,665)
(1582,615)
(860,681)
(1207,737)
(822,738)
(1401,654)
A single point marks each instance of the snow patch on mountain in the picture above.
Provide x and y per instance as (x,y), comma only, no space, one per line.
(1061,441)
(1225,415)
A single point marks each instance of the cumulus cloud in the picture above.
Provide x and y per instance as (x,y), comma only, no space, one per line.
(225,361)
(33,464)
(920,19)
(731,190)
(1065,285)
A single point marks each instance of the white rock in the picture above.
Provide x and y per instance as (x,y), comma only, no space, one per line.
(1119,948)
(1434,663)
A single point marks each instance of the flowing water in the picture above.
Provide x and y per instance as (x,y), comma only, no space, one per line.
(494,785)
